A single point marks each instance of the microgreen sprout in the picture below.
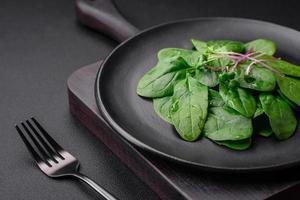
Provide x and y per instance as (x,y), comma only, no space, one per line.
(238,58)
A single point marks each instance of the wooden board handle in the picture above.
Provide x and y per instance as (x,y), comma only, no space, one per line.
(103,16)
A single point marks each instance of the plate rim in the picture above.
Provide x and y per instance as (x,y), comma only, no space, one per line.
(118,129)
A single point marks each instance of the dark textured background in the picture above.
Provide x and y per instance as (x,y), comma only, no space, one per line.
(41,44)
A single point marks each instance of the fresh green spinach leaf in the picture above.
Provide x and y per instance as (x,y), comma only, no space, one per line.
(199,45)
(218,62)
(292,104)
(225,124)
(160,80)
(193,58)
(226,46)
(282,119)
(261,79)
(239,99)
(259,110)
(267,132)
(236,145)
(215,99)
(281,65)
(290,87)
(264,46)
(189,109)
(162,107)
(207,77)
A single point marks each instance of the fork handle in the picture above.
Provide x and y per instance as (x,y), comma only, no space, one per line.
(95,186)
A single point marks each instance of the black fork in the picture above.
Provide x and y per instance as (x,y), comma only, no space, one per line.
(50,157)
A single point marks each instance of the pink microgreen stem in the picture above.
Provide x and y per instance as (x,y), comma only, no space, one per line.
(249,68)
(237,58)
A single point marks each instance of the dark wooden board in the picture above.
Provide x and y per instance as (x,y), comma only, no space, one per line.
(167,179)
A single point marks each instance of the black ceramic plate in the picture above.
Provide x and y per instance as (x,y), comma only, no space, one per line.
(133,116)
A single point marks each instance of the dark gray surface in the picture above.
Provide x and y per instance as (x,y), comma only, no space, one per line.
(40,46)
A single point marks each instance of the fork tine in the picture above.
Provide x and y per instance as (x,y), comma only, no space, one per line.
(51,152)
(44,155)
(34,154)
(54,144)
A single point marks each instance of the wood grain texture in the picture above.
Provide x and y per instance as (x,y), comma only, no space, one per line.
(167,179)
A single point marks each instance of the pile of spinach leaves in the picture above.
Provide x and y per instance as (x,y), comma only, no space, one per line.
(224,90)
